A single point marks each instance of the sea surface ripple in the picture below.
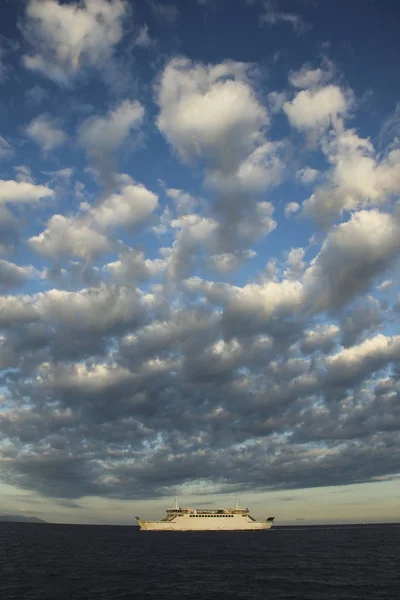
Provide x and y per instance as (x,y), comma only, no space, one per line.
(76,562)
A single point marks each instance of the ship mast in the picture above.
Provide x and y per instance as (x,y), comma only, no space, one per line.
(176,503)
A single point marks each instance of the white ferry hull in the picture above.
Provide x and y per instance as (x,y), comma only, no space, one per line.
(159,526)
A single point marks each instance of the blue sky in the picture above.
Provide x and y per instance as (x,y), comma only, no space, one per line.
(199,237)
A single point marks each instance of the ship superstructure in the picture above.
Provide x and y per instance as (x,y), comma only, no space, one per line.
(194,519)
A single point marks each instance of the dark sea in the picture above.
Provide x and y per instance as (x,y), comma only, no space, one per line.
(76,562)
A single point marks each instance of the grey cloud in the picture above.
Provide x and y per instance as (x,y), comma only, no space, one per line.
(273,16)
(364,317)
(166,13)
(13,276)
(352,255)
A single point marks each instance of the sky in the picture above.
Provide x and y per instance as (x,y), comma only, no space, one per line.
(199,258)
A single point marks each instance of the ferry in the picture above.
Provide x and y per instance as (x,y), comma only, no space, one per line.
(194,519)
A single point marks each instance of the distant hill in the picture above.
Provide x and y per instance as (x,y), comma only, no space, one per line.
(21,519)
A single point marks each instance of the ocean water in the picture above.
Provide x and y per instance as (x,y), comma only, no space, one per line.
(74,562)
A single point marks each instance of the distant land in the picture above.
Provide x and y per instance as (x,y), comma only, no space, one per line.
(21,519)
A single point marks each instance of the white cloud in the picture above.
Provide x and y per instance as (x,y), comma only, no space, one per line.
(133,205)
(254,303)
(132,267)
(295,264)
(317,109)
(83,235)
(102,136)
(291,208)
(308,77)
(67,38)
(210,112)
(230,261)
(385,284)
(260,170)
(68,236)
(45,131)
(357,178)
(371,354)
(22,192)
(307,175)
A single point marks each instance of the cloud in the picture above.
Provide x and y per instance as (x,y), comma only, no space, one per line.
(67,236)
(291,208)
(69,38)
(21,192)
(36,94)
(193,101)
(172,331)
(307,77)
(240,163)
(317,109)
(184,202)
(46,133)
(363,318)
(385,284)
(321,338)
(93,310)
(352,255)
(15,196)
(143,40)
(167,13)
(86,235)
(6,150)
(132,206)
(3,68)
(13,276)
(307,175)
(260,170)
(194,232)
(272,16)
(102,136)
(16,310)
(357,178)
(132,266)
(252,306)
(352,363)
